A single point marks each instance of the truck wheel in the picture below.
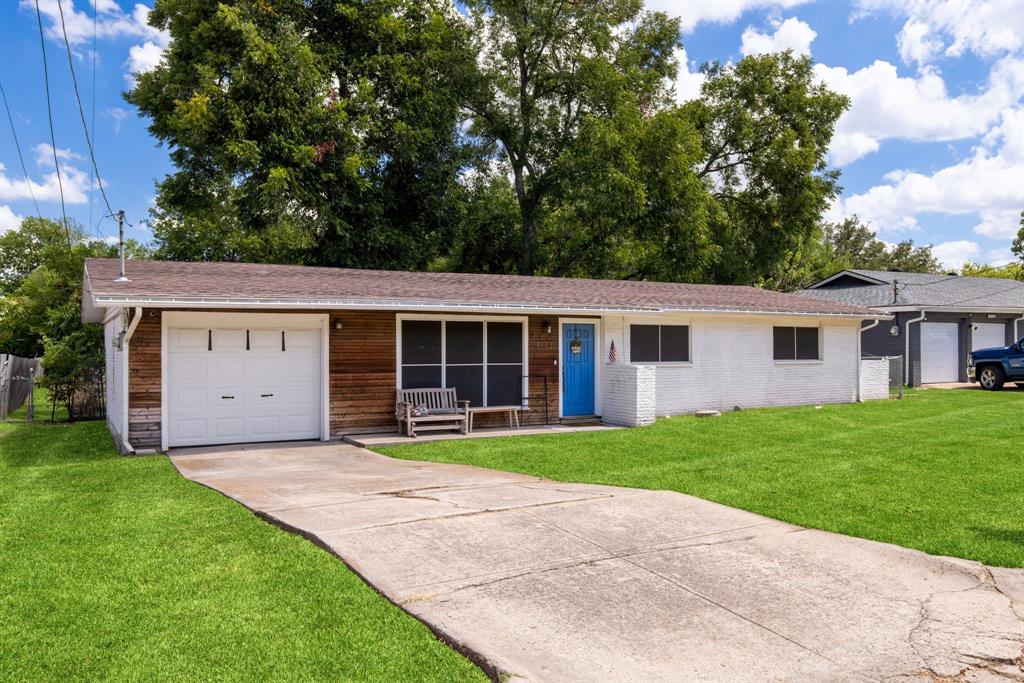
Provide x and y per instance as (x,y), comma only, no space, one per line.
(991,378)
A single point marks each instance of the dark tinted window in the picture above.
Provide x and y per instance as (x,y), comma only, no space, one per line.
(643,344)
(807,343)
(421,342)
(421,376)
(675,343)
(659,343)
(504,385)
(504,343)
(796,343)
(468,381)
(464,342)
(785,348)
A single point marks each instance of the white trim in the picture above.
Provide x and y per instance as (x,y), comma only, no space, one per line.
(319,321)
(949,309)
(446,306)
(598,363)
(125,343)
(443,318)
(849,273)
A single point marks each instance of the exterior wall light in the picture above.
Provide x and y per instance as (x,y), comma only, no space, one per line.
(338,324)
(894,330)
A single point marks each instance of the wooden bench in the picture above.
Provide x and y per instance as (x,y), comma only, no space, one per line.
(513,414)
(444,411)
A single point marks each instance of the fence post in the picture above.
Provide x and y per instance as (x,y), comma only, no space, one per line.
(31,394)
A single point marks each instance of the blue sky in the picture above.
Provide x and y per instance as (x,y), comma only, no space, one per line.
(932,148)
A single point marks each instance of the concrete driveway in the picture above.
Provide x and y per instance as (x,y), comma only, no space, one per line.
(566,582)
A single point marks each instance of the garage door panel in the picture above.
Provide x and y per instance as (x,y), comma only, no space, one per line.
(940,355)
(988,335)
(275,394)
(228,340)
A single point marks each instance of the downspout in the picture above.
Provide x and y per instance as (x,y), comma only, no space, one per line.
(859,359)
(906,356)
(124,377)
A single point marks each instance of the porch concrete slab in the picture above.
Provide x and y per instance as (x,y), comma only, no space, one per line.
(396,439)
(549,581)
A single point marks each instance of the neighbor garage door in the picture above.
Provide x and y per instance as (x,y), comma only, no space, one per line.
(988,335)
(242,383)
(939,353)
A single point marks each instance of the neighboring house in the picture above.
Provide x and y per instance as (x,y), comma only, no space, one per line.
(206,353)
(938,318)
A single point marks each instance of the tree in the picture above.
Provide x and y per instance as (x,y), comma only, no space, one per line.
(1011,271)
(1018,242)
(548,73)
(41,304)
(766,125)
(313,132)
(848,244)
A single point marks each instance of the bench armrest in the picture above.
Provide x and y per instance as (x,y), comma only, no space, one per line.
(403,410)
(465,406)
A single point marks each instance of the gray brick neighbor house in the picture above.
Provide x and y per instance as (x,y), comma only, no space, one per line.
(938,318)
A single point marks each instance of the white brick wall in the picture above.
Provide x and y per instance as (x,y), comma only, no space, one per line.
(874,379)
(629,394)
(732,365)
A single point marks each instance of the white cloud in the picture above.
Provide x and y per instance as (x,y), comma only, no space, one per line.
(118,115)
(955,254)
(989,183)
(999,223)
(693,12)
(791,34)
(999,257)
(8,219)
(111,21)
(75,181)
(688,82)
(143,59)
(885,105)
(940,27)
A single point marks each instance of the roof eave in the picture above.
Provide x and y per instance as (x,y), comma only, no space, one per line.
(435,305)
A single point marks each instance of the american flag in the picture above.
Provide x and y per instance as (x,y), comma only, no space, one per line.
(612,356)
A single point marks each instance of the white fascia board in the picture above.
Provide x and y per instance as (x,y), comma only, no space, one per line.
(443,306)
(952,309)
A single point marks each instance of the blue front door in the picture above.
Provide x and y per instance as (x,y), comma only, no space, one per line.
(578,369)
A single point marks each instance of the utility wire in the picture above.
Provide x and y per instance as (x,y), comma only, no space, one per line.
(17,145)
(49,113)
(81,110)
(92,192)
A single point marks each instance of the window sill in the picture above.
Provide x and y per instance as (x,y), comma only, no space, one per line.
(800,362)
(668,364)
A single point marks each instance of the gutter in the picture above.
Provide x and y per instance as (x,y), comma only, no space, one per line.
(862,331)
(906,357)
(124,377)
(442,306)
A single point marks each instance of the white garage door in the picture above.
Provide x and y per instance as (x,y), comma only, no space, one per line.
(988,335)
(939,353)
(242,384)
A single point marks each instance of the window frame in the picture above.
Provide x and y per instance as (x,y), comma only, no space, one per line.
(524,322)
(664,363)
(800,361)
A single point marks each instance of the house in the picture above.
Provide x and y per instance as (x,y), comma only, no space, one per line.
(938,318)
(207,353)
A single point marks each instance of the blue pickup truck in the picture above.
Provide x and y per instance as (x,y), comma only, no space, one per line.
(992,368)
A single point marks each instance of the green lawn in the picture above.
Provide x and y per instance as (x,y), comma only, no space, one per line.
(942,471)
(117,568)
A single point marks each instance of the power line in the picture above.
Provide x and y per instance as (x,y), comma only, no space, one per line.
(49,113)
(95,13)
(17,145)
(81,111)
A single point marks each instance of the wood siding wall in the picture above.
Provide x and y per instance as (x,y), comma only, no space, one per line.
(362,379)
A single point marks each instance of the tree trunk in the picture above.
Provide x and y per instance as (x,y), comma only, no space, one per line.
(528,218)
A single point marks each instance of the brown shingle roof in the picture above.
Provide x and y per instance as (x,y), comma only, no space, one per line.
(153,281)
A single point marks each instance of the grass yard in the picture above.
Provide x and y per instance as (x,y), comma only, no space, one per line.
(941,471)
(117,568)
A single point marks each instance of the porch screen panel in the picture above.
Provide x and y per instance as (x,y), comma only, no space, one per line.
(421,354)
(504,364)
(464,360)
